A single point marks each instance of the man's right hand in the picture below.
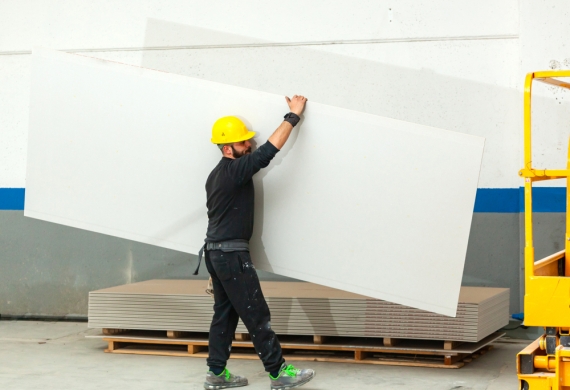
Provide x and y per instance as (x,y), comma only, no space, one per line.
(296,104)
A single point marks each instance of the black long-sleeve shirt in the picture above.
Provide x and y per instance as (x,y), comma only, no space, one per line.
(230,194)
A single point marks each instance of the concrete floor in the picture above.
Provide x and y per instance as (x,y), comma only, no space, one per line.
(56,355)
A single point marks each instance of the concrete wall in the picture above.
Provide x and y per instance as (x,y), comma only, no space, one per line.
(457,65)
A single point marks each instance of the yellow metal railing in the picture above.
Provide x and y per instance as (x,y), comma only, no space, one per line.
(531,174)
(545,364)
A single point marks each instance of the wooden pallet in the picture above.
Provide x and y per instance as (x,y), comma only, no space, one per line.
(317,339)
(420,353)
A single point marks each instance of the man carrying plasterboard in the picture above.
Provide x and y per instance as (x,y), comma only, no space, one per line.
(237,292)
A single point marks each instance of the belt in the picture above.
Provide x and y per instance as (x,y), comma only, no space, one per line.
(224,246)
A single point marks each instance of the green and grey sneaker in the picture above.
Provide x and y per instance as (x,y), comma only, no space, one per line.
(223,381)
(290,377)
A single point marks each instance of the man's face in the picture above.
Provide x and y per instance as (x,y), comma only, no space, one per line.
(240,149)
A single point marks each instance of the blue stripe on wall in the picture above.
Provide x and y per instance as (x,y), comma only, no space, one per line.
(511,200)
(488,200)
(546,199)
(12,198)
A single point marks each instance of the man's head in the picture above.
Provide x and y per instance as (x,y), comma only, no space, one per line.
(232,137)
(236,149)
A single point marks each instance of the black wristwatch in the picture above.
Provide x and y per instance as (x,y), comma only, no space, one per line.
(292,118)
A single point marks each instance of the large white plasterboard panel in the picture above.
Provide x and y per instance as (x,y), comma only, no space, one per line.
(125,151)
(383,85)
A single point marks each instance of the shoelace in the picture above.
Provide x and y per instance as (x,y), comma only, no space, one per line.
(226,373)
(290,370)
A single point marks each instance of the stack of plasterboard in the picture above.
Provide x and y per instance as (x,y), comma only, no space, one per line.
(301,309)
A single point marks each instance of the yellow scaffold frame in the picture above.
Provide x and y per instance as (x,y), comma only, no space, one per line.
(545,364)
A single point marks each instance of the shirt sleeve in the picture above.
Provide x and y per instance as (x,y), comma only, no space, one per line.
(246,166)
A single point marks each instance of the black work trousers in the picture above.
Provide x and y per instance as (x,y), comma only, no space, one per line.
(237,294)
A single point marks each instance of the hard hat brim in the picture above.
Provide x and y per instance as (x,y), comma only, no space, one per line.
(248,135)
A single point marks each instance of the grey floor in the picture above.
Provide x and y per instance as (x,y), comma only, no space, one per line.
(56,355)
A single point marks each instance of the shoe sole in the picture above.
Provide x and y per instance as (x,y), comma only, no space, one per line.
(295,385)
(209,386)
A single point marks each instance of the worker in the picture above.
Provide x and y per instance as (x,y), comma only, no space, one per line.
(237,292)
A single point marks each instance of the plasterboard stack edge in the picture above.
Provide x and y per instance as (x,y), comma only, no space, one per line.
(300,309)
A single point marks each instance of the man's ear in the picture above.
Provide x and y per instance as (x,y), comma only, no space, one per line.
(227,150)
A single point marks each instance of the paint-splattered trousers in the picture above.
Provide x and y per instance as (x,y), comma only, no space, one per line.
(237,294)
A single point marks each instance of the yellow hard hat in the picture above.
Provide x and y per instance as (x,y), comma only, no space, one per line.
(230,129)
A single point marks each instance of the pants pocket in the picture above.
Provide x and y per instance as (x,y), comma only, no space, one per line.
(222,268)
(250,279)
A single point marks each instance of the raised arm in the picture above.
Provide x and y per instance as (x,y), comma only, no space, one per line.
(280,136)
